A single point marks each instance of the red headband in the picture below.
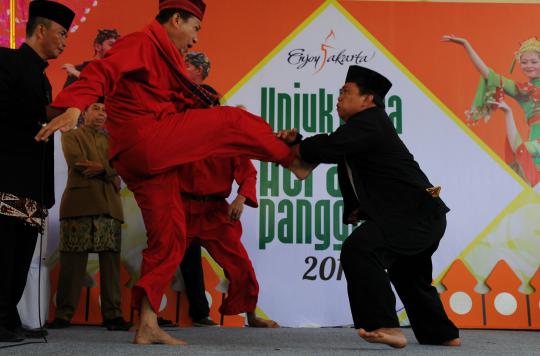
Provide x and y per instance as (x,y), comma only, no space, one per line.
(195,7)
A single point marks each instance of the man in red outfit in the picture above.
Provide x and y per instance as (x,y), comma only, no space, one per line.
(159,120)
(215,224)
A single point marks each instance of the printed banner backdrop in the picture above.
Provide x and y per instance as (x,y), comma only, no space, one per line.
(289,72)
(296,86)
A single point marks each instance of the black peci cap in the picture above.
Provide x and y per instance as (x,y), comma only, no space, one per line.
(51,10)
(368,79)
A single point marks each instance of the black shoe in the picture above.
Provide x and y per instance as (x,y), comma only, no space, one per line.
(7,335)
(205,322)
(59,324)
(165,322)
(31,333)
(35,333)
(117,324)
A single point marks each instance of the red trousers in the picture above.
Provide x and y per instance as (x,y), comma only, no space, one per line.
(209,225)
(149,170)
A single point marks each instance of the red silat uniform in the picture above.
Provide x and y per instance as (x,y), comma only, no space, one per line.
(205,185)
(158,120)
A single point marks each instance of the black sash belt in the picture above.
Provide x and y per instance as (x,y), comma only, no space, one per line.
(201,197)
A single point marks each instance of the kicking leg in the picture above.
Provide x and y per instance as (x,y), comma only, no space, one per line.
(217,132)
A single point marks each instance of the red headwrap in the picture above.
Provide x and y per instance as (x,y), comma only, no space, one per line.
(195,7)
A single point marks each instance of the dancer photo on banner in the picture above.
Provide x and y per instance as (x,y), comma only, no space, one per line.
(490,95)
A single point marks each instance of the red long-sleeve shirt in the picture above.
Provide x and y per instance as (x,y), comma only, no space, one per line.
(214,176)
(142,78)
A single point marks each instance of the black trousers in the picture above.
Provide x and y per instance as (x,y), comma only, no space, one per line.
(18,244)
(192,272)
(370,266)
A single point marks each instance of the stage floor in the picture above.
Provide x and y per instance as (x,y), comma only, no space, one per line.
(97,341)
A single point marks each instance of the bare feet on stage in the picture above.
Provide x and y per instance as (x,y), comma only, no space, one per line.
(255,322)
(389,336)
(453,342)
(149,332)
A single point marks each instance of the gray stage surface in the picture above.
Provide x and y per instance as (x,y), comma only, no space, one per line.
(96,341)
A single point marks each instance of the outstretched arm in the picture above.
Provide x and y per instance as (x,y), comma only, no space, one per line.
(475,58)
(357,137)
(71,70)
(98,79)
(63,122)
(514,138)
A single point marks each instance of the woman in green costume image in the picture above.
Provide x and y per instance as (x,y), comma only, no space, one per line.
(490,94)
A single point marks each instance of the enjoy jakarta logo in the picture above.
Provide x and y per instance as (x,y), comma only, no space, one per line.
(328,54)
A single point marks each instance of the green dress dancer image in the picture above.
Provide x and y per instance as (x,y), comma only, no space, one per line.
(489,95)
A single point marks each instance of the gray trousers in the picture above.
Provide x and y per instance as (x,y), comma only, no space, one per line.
(71,280)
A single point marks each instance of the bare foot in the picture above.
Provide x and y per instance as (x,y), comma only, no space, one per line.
(147,334)
(257,322)
(389,336)
(453,342)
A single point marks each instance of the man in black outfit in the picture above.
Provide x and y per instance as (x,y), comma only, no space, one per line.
(403,217)
(27,178)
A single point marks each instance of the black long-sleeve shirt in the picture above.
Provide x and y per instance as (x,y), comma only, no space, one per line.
(378,176)
(27,166)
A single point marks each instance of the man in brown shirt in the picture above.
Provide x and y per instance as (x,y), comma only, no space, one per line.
(90,221)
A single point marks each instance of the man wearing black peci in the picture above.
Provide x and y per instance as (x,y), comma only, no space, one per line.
(403,217)
(27,168)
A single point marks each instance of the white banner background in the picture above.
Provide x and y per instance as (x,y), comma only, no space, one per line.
(445,152)
(443,147)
